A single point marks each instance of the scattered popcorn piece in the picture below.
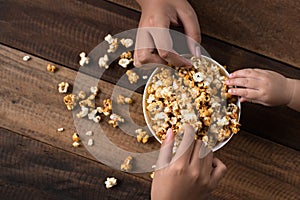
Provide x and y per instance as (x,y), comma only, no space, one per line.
(26,58)
(60,129)
(142,136)
(115,119)
(126,166)
(107,104)
(126,55)
(113,43)
(76,144)
(109,38)
(70,101)
(145,77)
(124,100)
(126,42)
(124,62)
(63,87)
(110,182)
(75,137)
(51,68)
(90,142)
(93,115)
(152,175)
(83,59)
(89,133)
(94,90)
(103,62)
(132,76)
(84,112)
(82,94)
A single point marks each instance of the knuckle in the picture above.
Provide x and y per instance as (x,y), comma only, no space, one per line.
(164,54)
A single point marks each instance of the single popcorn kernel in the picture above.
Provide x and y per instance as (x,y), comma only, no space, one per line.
(103,62)
(142,136)
(126,42)
(110,182)
(76,144)
(152,175)
(115,119)
(124,100)
(126,166)
(60,129)
(63,87)
(84,60)
(26,58)
(51,68)
(132,76)
(70,101)
(75,137)
(82,94)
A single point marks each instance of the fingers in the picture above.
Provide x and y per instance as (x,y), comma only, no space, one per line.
(186,147)
(164,46)
(191,25)
(247,73)
(165,154)
(217,173)
(245,92)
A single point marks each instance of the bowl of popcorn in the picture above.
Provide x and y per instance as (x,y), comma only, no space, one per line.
(196,95)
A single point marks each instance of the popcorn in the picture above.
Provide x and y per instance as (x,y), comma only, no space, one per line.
(110,182)
(126,42)
(145,77)
(109,39)
(63,87)
(76,144)
(84,112)
(124,100)
(93,115)
(81,95)
(115,119)
(84,60)
(152,175)
(113,43)
(75,137)
(90,142)
(192,95)
(126,166)
(70,101)
(103,62)
(51,68)
(142,136)
(94,90)
(26,58)
(124,62)
(60,129)
(126,55)
(132,76)
(89,133)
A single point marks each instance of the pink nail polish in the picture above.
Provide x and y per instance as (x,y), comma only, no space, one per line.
(227,82)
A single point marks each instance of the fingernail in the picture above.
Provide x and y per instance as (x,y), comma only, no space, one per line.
(227,82)
(169,132)
(198,52)
(230,75)
(230,91)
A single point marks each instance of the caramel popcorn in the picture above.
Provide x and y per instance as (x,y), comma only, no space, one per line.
(70,101)
(75,137)
(124,100)
(115,119)
(63,87)
(142,136)
(178,95)
(113,43)
(126,166)
(51,68)
(132,76)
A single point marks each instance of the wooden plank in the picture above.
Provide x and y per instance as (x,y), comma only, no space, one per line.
(34,170)
(257,168)
(270,28)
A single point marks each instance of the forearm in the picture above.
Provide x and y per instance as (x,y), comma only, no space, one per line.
(294,86)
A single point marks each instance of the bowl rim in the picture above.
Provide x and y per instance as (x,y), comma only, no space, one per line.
(219,145)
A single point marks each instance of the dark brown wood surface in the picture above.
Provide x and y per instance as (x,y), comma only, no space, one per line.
(59,32)
(251,161)
(270,28)
(31,109)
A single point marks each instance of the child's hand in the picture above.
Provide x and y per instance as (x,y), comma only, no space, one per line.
(153,41)
(261,86)
(191,174)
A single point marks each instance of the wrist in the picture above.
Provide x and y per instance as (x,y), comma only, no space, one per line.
(294,98)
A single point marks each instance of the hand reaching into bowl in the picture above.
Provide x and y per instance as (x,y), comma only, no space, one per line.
(154,43)
(265,87)
(191,174)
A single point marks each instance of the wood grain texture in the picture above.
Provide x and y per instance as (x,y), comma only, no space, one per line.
(34,170)
(257,168)
(270,28)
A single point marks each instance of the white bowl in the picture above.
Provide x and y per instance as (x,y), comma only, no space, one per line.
(148,119)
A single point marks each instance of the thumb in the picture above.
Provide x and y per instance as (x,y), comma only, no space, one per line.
(166,154)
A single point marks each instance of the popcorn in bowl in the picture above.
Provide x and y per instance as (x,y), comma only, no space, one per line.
(198,96)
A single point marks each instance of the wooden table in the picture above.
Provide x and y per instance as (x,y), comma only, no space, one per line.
(37,162)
